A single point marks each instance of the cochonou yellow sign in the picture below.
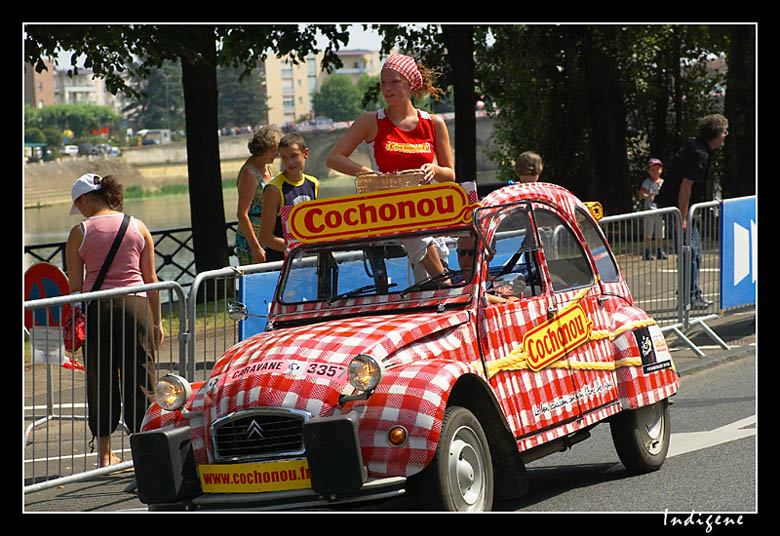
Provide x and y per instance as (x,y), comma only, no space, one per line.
(383,212)
(550,341)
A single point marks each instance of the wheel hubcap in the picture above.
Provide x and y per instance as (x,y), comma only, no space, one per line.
(466,468)
(652,420)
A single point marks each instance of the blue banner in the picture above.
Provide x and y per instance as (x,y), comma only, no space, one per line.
(739,252)
(256,291)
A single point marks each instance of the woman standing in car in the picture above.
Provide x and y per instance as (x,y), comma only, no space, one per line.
(401,137)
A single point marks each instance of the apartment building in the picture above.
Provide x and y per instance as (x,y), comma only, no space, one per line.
(39,87)
(85,88)
(55,86)
(289,86)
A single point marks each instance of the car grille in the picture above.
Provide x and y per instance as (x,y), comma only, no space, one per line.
(258,433)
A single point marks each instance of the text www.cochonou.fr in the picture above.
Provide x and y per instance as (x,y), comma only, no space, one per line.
(257,477)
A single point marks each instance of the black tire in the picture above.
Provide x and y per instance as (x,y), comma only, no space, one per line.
(641,437)
(460,476)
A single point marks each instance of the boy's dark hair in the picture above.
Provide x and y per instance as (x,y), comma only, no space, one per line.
(529,163)
(293,138)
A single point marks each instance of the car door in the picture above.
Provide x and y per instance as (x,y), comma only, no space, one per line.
(535,402)
(596,377)
(577,295)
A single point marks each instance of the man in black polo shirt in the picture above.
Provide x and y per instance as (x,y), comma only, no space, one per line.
(686,185)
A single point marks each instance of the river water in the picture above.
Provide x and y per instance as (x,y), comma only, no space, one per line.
(52,223)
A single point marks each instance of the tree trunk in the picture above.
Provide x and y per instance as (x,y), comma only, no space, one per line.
(740,178)
(199,80)
(657,128)
(607,162)
(675,62)
(459,40)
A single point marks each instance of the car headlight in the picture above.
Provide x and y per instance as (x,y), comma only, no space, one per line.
(172,392)
(364,372)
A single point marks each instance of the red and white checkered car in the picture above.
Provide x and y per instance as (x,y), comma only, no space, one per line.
(375,377)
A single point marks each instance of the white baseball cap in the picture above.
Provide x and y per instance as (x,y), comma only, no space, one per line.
(83,185)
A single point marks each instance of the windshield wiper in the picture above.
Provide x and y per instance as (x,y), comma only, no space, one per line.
(438,277)
(356,292)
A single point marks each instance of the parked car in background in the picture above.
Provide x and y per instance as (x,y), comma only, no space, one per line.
(155,136)
(70,150)
(87,149)
(106,149)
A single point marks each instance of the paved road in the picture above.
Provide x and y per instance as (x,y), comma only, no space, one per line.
(115,492)
(711,465)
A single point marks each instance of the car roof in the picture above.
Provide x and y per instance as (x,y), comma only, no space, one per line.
(534,191)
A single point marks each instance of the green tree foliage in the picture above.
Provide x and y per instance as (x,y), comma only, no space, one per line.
(160,100)
(160,103)
(82,119)
(242,99)
(34,135)
(370,99)
(597,101)
(740,104)
(338,98)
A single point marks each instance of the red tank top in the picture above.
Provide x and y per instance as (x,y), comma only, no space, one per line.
(397,150)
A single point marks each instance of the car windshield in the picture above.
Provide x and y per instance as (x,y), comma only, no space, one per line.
(333,272)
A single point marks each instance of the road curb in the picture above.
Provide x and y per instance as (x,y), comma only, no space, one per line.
(691,366)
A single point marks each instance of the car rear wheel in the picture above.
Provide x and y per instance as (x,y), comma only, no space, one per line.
(460,476)
(641,437)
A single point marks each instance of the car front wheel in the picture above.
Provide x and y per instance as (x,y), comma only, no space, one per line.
(460,476)
(641,437)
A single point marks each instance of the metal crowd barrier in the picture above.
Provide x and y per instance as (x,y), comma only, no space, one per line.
(701,286)
(210,327)
(664,287)
(653,282)
(199,330)
(58,444)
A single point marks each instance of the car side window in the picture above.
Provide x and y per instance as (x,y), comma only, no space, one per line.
(605,264)
(513,268)
(566,261)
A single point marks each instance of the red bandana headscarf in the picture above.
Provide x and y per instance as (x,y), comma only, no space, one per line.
(407,67)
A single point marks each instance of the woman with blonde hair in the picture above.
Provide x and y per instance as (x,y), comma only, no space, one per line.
(252,178)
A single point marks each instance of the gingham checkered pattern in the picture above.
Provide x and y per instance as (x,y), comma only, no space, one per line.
(424,354)
(407,67)
(593,381)
(414,396)
(368,304)
(447,336)
(637,388)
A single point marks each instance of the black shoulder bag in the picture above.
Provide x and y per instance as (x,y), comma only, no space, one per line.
(73,317)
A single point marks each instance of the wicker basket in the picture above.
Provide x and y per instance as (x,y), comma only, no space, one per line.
(373,182)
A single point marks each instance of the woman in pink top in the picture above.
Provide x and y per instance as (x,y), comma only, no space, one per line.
(122,332)
(401,136)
